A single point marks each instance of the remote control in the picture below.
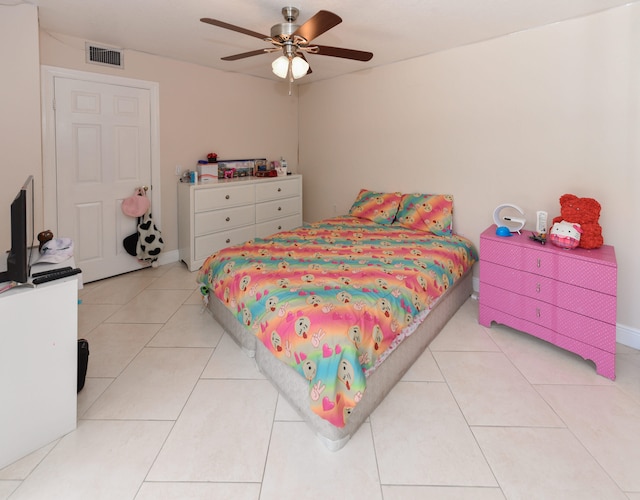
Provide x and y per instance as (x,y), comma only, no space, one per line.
(50,271)
(56,275)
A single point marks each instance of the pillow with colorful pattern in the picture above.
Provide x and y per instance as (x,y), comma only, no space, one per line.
(377,207)
(427,212)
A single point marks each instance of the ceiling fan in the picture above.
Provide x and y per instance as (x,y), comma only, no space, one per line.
(294,41)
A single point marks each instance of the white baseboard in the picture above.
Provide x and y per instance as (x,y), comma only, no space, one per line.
(628,336)
(168,257)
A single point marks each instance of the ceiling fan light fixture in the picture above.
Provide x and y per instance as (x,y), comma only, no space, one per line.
(280,66)
(299,67)
(297,64)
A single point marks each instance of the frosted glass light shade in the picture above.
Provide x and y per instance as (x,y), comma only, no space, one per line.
(299,67)
(280,66)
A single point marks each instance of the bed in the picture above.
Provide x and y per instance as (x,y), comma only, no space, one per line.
(335,312)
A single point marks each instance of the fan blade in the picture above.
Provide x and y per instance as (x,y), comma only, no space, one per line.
(245,54)
(358,55)
(318,24)
(222,24)
(309,70)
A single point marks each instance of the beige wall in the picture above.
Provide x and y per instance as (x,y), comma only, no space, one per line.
(201,110)
(20,110)
(523,119)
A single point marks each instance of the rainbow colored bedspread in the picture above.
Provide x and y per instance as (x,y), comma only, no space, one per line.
(332,299)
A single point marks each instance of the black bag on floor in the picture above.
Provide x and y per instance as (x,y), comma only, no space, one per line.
(83,361)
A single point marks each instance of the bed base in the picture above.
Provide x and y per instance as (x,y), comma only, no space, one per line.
(295,389)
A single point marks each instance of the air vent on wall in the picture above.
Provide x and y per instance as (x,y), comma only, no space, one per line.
(107,56)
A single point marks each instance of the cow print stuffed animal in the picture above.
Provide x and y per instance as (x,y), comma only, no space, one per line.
(150,242)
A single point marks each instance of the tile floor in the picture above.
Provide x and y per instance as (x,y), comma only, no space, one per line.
(172,409)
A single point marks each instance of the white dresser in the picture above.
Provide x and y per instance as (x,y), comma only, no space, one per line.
(226,212)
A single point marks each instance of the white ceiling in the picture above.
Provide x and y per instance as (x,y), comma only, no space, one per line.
(393,30)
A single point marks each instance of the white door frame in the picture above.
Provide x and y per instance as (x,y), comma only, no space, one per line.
(49,183)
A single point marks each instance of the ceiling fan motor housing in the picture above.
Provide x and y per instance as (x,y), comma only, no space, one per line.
(283,31)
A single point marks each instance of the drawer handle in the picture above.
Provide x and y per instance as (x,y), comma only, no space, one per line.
(228,240)
(279,189)
(228,219)
(538,262)
(538,287)
(279,208)
(227,197)
(537,312)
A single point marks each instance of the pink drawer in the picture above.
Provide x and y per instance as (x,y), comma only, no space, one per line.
(605,360)
(583,301)
(568,323)
(567,266)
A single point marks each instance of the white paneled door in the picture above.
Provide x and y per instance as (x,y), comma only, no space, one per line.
(102,153)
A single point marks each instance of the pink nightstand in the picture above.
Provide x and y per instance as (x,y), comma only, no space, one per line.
(566,297)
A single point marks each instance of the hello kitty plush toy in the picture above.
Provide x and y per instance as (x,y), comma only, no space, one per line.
(565,234)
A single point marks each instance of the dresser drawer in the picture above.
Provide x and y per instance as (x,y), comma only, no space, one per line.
(605,360)
(206,245)
(277,189)
(218,220)
(551,263)
(590,303)
(275,226)
(222,197)
(568,323)
(277,209)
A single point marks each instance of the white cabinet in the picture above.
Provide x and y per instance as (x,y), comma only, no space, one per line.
(226,212)
(38,366)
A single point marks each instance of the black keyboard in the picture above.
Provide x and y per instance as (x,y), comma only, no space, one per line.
(55,274)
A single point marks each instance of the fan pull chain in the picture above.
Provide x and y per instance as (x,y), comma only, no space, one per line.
(290,75)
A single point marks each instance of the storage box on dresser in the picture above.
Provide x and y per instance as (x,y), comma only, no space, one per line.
(225,212)
(566,297)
